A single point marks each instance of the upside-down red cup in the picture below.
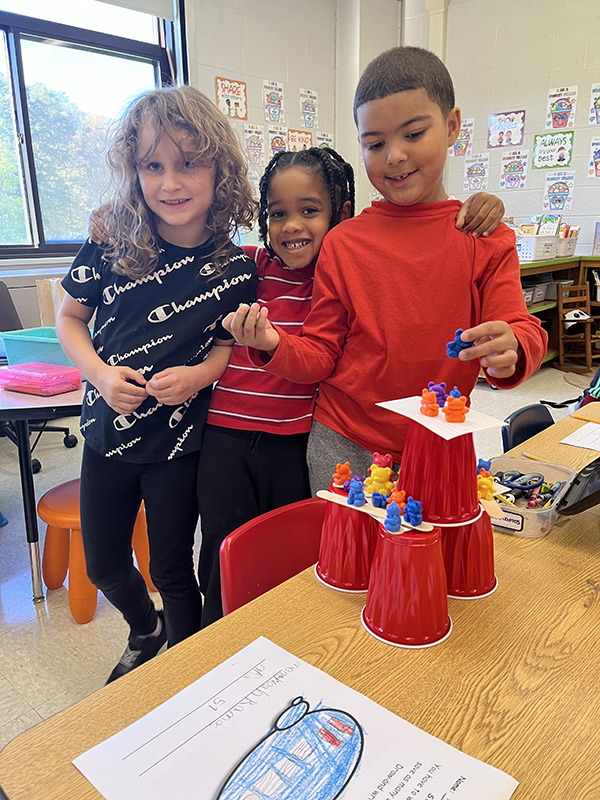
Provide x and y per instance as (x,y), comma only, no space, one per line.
(407,604)
(348,539)
(441,474)
(468,552)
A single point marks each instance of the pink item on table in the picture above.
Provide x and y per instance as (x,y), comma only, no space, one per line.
(407,603)
(40,379)
(348,541)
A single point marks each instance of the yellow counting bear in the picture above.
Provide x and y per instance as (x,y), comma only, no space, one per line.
(379,480)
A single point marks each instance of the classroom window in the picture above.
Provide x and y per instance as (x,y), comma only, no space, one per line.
(60,89)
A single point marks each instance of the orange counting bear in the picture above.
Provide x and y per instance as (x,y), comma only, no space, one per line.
(429,405)
(455,409)
(398,496)
(342,473)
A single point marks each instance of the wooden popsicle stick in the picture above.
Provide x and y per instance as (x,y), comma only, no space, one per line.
(369,508)
(492,508)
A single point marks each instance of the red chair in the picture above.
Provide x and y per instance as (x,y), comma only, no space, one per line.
(268,550)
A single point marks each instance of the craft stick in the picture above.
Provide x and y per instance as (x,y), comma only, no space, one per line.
(368,508)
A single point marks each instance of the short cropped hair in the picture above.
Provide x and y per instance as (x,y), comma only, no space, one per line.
(403,69)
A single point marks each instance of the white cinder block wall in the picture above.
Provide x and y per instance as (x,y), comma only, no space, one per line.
(505,56)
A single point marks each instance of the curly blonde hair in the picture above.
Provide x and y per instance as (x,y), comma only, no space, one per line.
(132,239)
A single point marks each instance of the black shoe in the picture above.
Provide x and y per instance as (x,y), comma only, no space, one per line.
(139,650)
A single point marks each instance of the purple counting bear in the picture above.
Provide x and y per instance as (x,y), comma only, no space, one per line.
(454,348)
(412,512)
(440,392)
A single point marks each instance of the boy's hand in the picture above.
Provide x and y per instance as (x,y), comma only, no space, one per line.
(495,345)
(174,385)
(122,388)
(249,325)
(96,227)
(480,214)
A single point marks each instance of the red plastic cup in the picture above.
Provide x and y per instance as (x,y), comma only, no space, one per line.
(469,558)
(337,490)
(441,474)
(348,539)
(407,604)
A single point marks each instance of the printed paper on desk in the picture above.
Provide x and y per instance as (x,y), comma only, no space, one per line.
(266,724)
(411,407)
(588,436)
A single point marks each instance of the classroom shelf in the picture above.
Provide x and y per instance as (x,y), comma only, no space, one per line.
(542,306)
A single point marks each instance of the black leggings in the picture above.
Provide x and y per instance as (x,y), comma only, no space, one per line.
(111,492)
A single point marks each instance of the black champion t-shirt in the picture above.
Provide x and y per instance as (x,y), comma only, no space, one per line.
(169,318)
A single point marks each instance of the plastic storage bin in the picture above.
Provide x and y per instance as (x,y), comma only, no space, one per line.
(566,247)
(531,522)
(528,295)
(537,248)
(40,379)
(34,344)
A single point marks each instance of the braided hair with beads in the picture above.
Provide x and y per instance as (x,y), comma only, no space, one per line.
(337,174)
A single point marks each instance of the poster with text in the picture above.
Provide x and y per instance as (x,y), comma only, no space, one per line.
(513,171)
(477,168)
(594,163)
(309,108)
(464,141)
(552,150)
(594,112)
(273,99)
(558,194)
(231,98)
(299,140)
(561,108)
(277,139)
(254,176)
(324,139)
(254,143)
(506,129)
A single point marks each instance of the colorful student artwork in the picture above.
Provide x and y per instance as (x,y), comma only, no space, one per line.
(231,97)
(594,112)
(254,176)
(558,194)
(552,150)
(477,168)
(254,141)
(506,129)
(562,103)
(309,108)
(464,141)
(273,99)
(513,171)
(277,139)
(299,140)
(594,162)
(324,139)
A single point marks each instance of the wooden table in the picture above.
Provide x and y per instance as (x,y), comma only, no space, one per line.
(517,684)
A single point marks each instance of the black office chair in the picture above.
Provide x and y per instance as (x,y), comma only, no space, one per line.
(524,423)
(10,321)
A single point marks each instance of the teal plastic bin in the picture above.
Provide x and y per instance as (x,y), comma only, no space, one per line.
(34,344)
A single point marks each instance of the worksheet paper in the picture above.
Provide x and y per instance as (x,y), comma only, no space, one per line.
(588,436)
(231,736)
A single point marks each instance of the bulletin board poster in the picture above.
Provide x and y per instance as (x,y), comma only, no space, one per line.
(463,145)
(594,112)
(324,139)
(254,176)
(558,193)
(273,99)
(506,129)
(299,140)
(552,150)
(477,169)
(562,103)
(277,139)
(309,108)
(596,245)
(254,144)
(513,171)
(231,97)
(594,163)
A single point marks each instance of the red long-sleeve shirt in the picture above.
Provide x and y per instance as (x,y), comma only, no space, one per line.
(391,288)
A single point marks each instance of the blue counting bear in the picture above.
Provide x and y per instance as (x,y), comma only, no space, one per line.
(412,512)
(356,495)
(454,348)
(455,393)
(379,500)
(482,464)
(392,519)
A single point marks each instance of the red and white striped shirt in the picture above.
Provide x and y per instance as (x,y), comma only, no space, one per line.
(247,397)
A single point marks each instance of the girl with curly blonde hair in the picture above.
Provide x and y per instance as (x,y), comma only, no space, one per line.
(160,286)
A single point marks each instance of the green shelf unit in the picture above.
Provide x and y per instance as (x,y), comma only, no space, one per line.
(541,306)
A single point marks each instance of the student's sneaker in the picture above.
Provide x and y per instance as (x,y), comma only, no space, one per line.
(141,649)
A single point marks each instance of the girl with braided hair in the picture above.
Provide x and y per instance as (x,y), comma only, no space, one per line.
(257,426)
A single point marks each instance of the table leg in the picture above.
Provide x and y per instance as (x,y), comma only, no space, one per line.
(29,508)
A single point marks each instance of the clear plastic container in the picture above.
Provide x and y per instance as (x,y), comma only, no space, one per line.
(531,522)
(34,344)
(40,379)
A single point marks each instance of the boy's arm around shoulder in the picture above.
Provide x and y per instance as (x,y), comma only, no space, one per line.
(498,280)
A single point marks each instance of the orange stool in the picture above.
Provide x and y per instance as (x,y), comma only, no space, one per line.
(63,549)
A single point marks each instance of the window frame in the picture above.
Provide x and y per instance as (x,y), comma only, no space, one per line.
(17,27)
